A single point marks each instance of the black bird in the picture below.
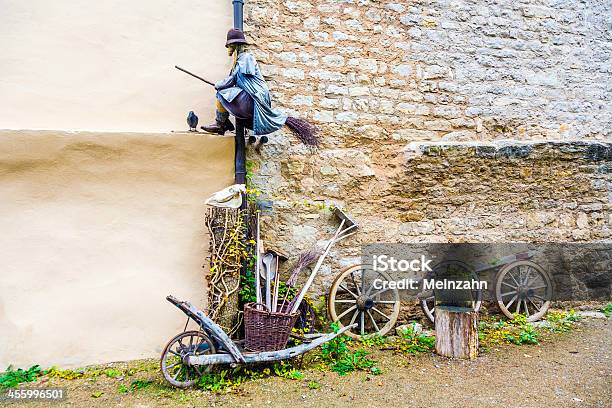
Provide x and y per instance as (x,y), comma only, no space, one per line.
(192,121)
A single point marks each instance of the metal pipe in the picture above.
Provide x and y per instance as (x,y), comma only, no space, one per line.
(238,16)
(240,153)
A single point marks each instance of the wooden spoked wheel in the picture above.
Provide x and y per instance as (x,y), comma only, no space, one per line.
(356,296)
(446,269)
(523,287)
(173,358)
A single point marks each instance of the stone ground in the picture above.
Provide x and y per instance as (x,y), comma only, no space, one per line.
(566,370)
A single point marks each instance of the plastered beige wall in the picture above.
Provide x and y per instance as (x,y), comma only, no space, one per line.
(96,230)
(109,65)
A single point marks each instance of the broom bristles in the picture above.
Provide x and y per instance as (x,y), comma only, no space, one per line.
(304,259)
(303,130)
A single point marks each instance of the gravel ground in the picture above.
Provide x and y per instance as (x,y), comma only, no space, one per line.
(565,370)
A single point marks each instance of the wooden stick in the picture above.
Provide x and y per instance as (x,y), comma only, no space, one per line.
(268,281)
(258,261)
(194,75)
(276,282)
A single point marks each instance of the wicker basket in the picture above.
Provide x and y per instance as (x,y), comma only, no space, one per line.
(264,330)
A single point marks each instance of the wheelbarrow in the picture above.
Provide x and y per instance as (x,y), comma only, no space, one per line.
(191,354)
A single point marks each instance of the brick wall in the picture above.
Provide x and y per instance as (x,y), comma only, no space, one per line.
(442,120)
(451,70)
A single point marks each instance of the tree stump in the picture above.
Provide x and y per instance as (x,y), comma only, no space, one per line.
(456,332)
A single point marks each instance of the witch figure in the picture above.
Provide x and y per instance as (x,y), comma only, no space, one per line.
(245,95)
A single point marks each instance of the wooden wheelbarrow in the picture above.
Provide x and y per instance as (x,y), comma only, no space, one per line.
(190,354)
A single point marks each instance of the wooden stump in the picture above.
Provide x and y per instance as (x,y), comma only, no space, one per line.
(456,332)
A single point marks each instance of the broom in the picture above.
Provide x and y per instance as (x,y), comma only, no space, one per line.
(304,259)
(303,130)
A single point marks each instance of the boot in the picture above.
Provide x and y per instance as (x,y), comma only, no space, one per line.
(229,126)
(221,125)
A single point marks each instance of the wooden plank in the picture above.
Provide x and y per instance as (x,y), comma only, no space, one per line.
(266,356)
(213,329)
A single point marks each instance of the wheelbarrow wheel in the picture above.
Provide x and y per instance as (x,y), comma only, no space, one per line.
(523,287)
(173,358)
(428,300)
(354,299)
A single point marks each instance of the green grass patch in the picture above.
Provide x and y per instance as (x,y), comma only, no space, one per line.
(516,331)
(410,342)
(561,321)
(12,378)
(226,380)
(373,341)
(337,355)
(519,331)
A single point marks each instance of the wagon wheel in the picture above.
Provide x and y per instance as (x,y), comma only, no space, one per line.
(174,369)
(353,299)
(523,287)
(428,301)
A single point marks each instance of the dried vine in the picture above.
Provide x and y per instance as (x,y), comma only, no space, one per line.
(227,252)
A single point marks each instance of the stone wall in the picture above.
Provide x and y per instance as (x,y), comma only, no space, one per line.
(431,70)
(441,121)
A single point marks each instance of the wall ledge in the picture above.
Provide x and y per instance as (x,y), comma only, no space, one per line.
(513,149)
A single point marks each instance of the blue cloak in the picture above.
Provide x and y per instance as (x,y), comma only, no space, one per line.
(246,77)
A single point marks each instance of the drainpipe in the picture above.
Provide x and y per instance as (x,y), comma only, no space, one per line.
(238,5)
(240,149)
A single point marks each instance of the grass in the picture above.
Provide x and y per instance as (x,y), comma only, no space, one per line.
(341,359)
(12,378)
(371,341)
(562,321)
(339,355)
(411,342)
(227,379)
(518,331)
